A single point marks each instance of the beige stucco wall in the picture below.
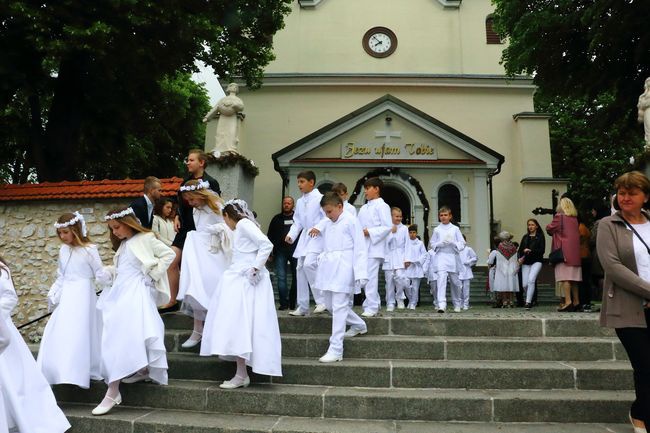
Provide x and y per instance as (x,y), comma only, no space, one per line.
(431,38)
(29,245)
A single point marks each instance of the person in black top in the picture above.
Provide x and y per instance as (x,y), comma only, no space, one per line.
(196,163)
(143,206)
(283,253)
(531,253)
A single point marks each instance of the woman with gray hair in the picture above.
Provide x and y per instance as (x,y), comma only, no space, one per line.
(506,268)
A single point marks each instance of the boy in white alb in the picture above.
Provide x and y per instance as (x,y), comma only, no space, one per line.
(342,191)
(415,262)
(468,258)
(447,242)
(341,271)
(393,266)
(306,215)
(374,217)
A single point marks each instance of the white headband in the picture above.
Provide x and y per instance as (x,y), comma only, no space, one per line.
(121,214)
(77,218)
(204,184)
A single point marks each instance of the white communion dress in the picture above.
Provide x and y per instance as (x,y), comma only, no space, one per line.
(133,332)
(69,351)
(203,263)
(241,320)
(30,406)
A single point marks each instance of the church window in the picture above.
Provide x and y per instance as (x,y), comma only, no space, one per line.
(491,36)
(449,195)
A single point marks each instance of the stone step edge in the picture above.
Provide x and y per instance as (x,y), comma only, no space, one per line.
(129,420)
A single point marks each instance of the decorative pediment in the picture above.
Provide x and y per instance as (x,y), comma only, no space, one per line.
(309,3)
(455,4)
(387,131)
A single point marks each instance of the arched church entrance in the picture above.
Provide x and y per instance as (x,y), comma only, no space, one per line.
(396,197)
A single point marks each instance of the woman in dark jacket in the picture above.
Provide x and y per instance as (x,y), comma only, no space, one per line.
(625,257)
(531,253)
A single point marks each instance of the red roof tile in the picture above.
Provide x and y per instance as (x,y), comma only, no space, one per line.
(65,190)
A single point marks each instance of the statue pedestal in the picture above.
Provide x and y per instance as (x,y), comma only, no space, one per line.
(236,178)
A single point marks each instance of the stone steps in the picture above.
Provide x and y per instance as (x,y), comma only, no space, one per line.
(421,404)
(375,373)
(484,370)
(133,420)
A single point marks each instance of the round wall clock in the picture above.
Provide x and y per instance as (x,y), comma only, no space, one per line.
(379,42)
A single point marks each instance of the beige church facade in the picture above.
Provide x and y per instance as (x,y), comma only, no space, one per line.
(410,91)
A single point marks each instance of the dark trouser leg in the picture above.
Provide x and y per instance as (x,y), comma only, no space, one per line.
(585,284)
(637,345)
(281,274)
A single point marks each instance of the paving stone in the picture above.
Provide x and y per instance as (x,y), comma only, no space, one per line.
(616,375)
(580,327)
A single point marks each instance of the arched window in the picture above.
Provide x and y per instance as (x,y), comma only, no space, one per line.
(449,195)
(491,37)
(325,187)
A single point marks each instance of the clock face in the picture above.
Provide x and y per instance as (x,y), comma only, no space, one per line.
(379,42)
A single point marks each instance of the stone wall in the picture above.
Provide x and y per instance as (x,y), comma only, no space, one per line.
(29,245)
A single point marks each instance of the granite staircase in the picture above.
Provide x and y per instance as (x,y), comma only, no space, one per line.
(479,371)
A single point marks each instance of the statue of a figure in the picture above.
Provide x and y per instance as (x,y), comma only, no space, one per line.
(644,112)
(227,110)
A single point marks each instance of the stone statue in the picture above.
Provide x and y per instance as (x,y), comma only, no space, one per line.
(644,112)
(228,111)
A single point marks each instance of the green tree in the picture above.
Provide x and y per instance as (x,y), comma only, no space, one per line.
(589,59)
(88,88)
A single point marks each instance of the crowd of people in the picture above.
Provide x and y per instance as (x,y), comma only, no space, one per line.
(208,258)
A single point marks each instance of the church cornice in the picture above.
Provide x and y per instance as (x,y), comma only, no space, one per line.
(398,80)
(307,4)
(450,4)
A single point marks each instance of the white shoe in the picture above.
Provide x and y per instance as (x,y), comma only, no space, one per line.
(137,377)
(400,305)
(298,312)
(390,308)
(330,357)
(353,331)
(112,402)
(465,308)
(190,342)
(236,382)
(368,314)
(320,308)
(412,307)
(456,309)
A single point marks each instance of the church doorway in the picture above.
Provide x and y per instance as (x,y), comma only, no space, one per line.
(394,196)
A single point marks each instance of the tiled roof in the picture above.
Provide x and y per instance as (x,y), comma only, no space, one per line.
(128,188)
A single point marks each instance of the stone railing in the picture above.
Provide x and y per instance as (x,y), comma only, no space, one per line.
(30,246)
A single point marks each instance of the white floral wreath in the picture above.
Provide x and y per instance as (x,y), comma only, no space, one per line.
(77,218)
(204,184)
(121,214)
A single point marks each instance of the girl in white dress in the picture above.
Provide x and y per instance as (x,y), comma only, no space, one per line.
(133,333)
(206,254)
(506,268)
(163,220)
(242,324)
(69,351)
(30,406)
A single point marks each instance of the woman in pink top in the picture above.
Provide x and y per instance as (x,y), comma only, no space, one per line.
(565,233)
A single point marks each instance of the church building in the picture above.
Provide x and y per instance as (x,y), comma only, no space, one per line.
(412,92)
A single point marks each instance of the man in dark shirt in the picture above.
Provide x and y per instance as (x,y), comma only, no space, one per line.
(143,206)
(283,253)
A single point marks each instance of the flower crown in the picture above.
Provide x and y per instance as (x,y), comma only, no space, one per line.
(77,218)
(236,202)
(121,214)
(204,184)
